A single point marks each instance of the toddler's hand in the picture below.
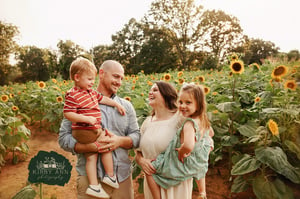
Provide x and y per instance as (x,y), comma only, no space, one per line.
(121,109)
(91,120)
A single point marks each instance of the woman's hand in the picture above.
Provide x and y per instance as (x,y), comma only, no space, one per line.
(145,164)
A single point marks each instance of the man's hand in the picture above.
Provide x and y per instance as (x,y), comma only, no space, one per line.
(108,143)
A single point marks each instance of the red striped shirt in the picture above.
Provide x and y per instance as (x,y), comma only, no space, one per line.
(84,102)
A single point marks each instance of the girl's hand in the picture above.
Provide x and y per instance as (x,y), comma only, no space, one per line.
(182,154)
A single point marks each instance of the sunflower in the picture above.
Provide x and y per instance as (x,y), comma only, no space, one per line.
(279,71)
(41,84)
(11,95)
(14,108)
(126,78)
(273,127)
(277,79)
(4,98)
(179,74)
(271,82)
(167,77)
(149,83)
(257,99)
(142,94)
(215,111)
(201,78)
(234,57)
(214,93)
(59,99)
(255,66)
(237,67)
(206,90)
(54,80)
(127,98)
(133,81)
(133,87)
(180,81)
(290,84)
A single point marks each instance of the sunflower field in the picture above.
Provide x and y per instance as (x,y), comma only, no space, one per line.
(254,111)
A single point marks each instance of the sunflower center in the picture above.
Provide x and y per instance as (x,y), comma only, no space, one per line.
(236,67)
(279,71)
(290,85)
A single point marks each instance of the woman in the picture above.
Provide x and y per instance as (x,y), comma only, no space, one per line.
(157,131)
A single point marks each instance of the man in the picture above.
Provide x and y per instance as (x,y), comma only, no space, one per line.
(123,135)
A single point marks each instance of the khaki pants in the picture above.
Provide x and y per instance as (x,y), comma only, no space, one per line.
(125,190)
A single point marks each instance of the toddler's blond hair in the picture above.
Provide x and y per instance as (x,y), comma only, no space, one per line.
(82,65)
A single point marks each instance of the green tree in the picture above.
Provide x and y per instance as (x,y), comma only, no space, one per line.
(68,52)
(220,32)
(127,43)
(260,50)
(293,55)
(7,46)
(156,55)
(180,19)
(100,54)
(33,64)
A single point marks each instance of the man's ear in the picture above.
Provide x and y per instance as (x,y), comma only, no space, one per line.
(101,72)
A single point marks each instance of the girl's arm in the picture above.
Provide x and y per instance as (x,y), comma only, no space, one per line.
(187,140)
(108,101)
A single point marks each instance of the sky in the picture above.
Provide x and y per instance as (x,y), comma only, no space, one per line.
(89,23)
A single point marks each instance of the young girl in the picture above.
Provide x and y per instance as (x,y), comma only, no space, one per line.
(187,154)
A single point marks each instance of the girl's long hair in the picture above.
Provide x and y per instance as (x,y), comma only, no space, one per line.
(197,92)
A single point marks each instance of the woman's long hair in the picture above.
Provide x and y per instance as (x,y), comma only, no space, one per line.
(169,95)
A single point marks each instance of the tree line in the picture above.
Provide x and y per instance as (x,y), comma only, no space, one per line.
(172,35)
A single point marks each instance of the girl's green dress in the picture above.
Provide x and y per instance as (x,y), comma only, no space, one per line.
(170,171)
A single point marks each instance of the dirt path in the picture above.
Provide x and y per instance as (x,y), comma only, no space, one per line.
(14,177)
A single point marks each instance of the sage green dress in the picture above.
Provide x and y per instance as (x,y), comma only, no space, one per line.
(170,171)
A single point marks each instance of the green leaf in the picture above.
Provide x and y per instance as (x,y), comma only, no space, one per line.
(11,141)
(229,140)
(264,189)
(275,158)
(248,129)
(293,147)
(228,106)
(245,165)
(271,110)
(239,185)
(25,193)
